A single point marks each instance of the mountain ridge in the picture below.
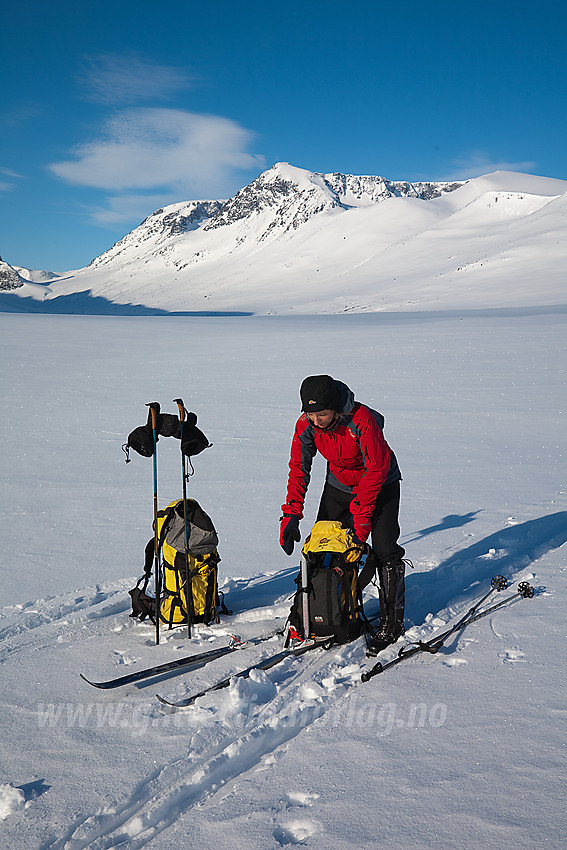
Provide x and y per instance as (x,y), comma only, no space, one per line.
(303,241)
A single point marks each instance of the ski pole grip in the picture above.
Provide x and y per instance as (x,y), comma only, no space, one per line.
(181,406)
(155,409)
(372,672)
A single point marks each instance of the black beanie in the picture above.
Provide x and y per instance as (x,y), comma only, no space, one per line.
(319,392)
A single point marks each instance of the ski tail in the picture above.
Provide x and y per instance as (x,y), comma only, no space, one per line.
(265,664)
(182,665)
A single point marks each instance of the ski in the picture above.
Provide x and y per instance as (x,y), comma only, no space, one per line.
(266,664)
(434,644)
(182,664)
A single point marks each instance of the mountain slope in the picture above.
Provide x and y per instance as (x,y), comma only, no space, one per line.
(295,240)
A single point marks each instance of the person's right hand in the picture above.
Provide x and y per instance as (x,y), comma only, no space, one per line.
(289,533)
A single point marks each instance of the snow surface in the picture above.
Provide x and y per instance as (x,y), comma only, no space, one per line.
(460,750)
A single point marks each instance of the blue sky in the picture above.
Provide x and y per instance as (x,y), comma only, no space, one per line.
(110,110)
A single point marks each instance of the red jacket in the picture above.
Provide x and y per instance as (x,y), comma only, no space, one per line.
(358,460)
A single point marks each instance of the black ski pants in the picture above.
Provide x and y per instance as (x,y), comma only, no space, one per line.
(390,569)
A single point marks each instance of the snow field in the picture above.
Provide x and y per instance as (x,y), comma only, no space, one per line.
(455,750)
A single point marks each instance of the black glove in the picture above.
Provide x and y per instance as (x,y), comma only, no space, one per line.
(194,441)
(289,533)
(169,425)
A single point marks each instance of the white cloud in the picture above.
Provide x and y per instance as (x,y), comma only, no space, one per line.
(122,208)
(7,172)
(477,163)
(181,154)
(147,156)
(127,79)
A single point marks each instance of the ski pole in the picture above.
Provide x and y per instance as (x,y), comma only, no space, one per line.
(188,589)
(434,644)
(155,409)
(305,597)
(525,591)
(497,584)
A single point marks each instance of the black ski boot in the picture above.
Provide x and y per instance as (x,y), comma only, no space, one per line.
(392,599)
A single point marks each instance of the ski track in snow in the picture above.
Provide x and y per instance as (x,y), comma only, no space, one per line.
(92,604)
(174,789)
(279,706)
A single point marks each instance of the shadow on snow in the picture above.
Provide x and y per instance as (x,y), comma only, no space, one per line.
(85,304)
(506,552)
(461,577)
(449,521)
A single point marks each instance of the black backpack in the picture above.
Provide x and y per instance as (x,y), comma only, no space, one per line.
(332,559)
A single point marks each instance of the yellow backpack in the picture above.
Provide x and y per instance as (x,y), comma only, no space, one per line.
(202,604)
(332,536)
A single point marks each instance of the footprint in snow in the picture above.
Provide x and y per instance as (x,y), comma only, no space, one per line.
(454,662)
(511,655)
(300,798)
(123,658)
(295,832)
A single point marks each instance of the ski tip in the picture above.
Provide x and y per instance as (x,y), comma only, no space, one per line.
(174,705)
(103,686)
(88,681)
(165,701)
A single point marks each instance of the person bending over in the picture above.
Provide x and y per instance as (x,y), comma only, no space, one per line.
(362,487)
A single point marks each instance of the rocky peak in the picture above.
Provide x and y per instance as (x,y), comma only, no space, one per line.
(277,202)
(293,195)
(357,190)
(283,190)
(9,277)
(173,220)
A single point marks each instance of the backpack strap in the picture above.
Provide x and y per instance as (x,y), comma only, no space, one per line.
(367,556)
(148,563)
(142,604)
(222,605)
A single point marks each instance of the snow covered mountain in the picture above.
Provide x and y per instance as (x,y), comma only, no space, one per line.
(296,240)
(279,201)
(155,233)
(36,275)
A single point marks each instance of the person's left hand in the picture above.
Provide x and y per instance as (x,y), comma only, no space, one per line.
(362,529)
